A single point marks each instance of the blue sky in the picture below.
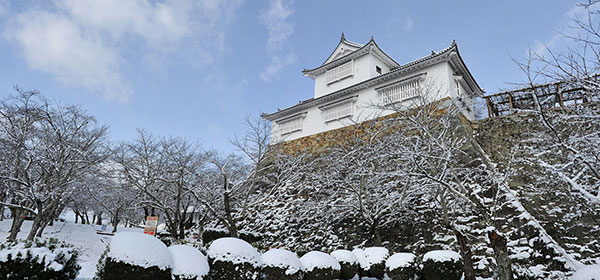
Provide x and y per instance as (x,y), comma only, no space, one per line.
(196,68)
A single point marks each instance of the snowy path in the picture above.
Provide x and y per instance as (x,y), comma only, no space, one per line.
(83,237)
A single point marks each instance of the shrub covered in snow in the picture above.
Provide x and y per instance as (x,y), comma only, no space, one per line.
(401,266)
(233,259)
(320,266)
(375,259)
(588,272)
(442,265)
(188,263)
(135,256)
(39,259)
(281,264)
(348,262)
(363,266)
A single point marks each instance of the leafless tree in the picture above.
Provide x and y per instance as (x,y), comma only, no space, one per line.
(51,147)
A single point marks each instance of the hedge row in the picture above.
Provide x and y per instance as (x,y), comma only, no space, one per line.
(235,259)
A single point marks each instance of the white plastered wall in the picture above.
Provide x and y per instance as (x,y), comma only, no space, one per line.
(439,80)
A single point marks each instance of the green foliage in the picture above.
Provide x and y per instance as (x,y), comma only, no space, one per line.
(447,270)
(403,273)
(211,234)
(278,273)
(322,274)
(26,262)
(348,270)
(377,270)
(222,270)
(117,270)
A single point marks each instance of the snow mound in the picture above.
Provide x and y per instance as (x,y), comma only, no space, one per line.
(316,259)
(374,255)
(441,256)
(237,251)
(139,249)
(400,260)
(587,272)
(283,259)
(361,257)
(188,262)
(344,256)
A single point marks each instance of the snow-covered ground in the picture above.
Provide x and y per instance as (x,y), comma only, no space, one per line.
(83,237)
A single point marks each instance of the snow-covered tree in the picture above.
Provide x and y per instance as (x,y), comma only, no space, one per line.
(239,184)
(166,172)
(50,149)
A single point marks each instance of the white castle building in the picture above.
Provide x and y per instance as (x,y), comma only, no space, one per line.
(355,77)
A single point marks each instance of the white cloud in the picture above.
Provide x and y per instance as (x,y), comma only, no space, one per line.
(87,43)
(276,64)
(566,28)
(408,24)
(280,28)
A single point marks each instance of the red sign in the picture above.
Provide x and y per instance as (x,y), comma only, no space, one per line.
(151,225)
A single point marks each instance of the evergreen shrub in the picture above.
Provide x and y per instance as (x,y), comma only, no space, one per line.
(441,265)
(41,259)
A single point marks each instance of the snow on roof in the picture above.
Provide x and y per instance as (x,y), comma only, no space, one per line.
(316,259)
(587,272)
(188,262)
(283,259)
(441,256)
(344,256)
(234,250)
(400,260)
(139,249)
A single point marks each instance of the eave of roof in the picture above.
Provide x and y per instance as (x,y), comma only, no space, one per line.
(357,53)
(448,54)
(342,41)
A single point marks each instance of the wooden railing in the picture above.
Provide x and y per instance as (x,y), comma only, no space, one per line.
(552,95)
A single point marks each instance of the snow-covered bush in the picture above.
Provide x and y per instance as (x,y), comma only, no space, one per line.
(375,259)
(442,265)
(135,256)
(588,272)
(320,266)
(281,264)
(348,262)
(363,266)
(188,263)
(401,266)
(233,259)
(39,259)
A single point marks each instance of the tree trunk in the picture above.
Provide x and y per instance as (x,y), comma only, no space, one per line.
(19,217)
(467,255)
(43,226)
(115,222)
(36,225)
(99,218)
(76,217)
(498,242)
(87,217)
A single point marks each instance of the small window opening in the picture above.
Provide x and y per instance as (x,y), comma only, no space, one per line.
(378,69)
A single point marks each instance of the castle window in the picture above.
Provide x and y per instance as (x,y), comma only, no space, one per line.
(340,72)
(338,110)
(291,125)
(378,69)
(400,92)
